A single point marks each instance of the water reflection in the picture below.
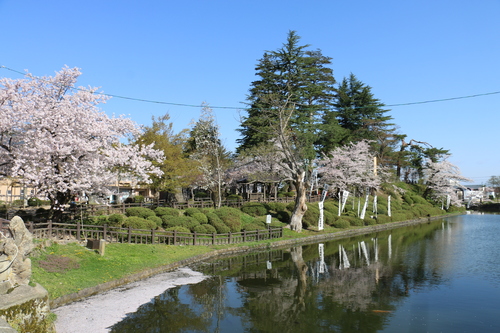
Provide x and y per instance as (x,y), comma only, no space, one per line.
(352,285)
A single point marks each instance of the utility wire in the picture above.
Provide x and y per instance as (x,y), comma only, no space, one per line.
(240,108)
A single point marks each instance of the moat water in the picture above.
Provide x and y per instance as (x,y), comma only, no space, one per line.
(441,276)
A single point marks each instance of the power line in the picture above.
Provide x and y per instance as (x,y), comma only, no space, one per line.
(240,108)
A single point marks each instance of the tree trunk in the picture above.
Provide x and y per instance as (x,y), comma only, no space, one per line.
(300,203)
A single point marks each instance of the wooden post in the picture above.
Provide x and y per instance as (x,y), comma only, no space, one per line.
(102,246)
(50,228)
(78,227)
(32,227)
(175,237)
(104,231)
(213,238)
(129,234)
(152,236)
(194,238)
(229,238)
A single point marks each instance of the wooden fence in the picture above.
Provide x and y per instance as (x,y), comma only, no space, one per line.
(79,232)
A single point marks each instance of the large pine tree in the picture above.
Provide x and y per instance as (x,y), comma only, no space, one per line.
(295,88)
(298,76)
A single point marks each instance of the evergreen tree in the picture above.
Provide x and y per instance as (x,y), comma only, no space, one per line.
(296,75)
(359,112)
(294,90)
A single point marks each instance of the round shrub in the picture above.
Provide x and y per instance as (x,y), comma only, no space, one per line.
(254,209)
(200,229)
(190,223)
(231,217)
(179,229)
(217,223)
(136,222)
(162,211)
(354,221)
(174,221)
(200,217)
(341,223)
(204,229)
(116,220)
(157,220)
(234,197)
(328,217)
(331,206)
(381,219)
(370,221)
(209,229)
(311,216)
(206,210)
(190,211)
(140,212)
(100,219)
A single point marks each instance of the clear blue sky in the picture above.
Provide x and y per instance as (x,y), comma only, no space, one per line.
(189,52)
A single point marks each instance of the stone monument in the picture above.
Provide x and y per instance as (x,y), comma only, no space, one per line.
(22,305)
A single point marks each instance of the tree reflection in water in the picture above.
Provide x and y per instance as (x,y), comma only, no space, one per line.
(301,292)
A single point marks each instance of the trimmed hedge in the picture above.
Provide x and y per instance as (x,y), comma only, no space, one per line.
(254,209)
(140,212)
(136,222)
(162,211)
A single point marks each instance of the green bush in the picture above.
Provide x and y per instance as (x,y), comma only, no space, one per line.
(234,197)
(217,223)
(179,229)
(162,211)
(204,229)
(201,195)
(100,219)
(18,203)
(34,202)
(116,220)
(311,216)
(381,219)
(157,220)
(341,223)
(191,211)
(136,222)
(354,221)
(231,217)
(254,209)
(407,198)
(331,206)
(140,212)
(174,221)
(370,221)
(200,217)
(139,199)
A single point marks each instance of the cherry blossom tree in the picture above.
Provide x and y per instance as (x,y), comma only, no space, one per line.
(53,136)
(350,165)
(443,181)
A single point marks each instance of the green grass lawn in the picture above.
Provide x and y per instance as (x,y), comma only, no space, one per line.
(65,269)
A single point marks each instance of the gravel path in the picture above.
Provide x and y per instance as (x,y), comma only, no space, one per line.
(97,313)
